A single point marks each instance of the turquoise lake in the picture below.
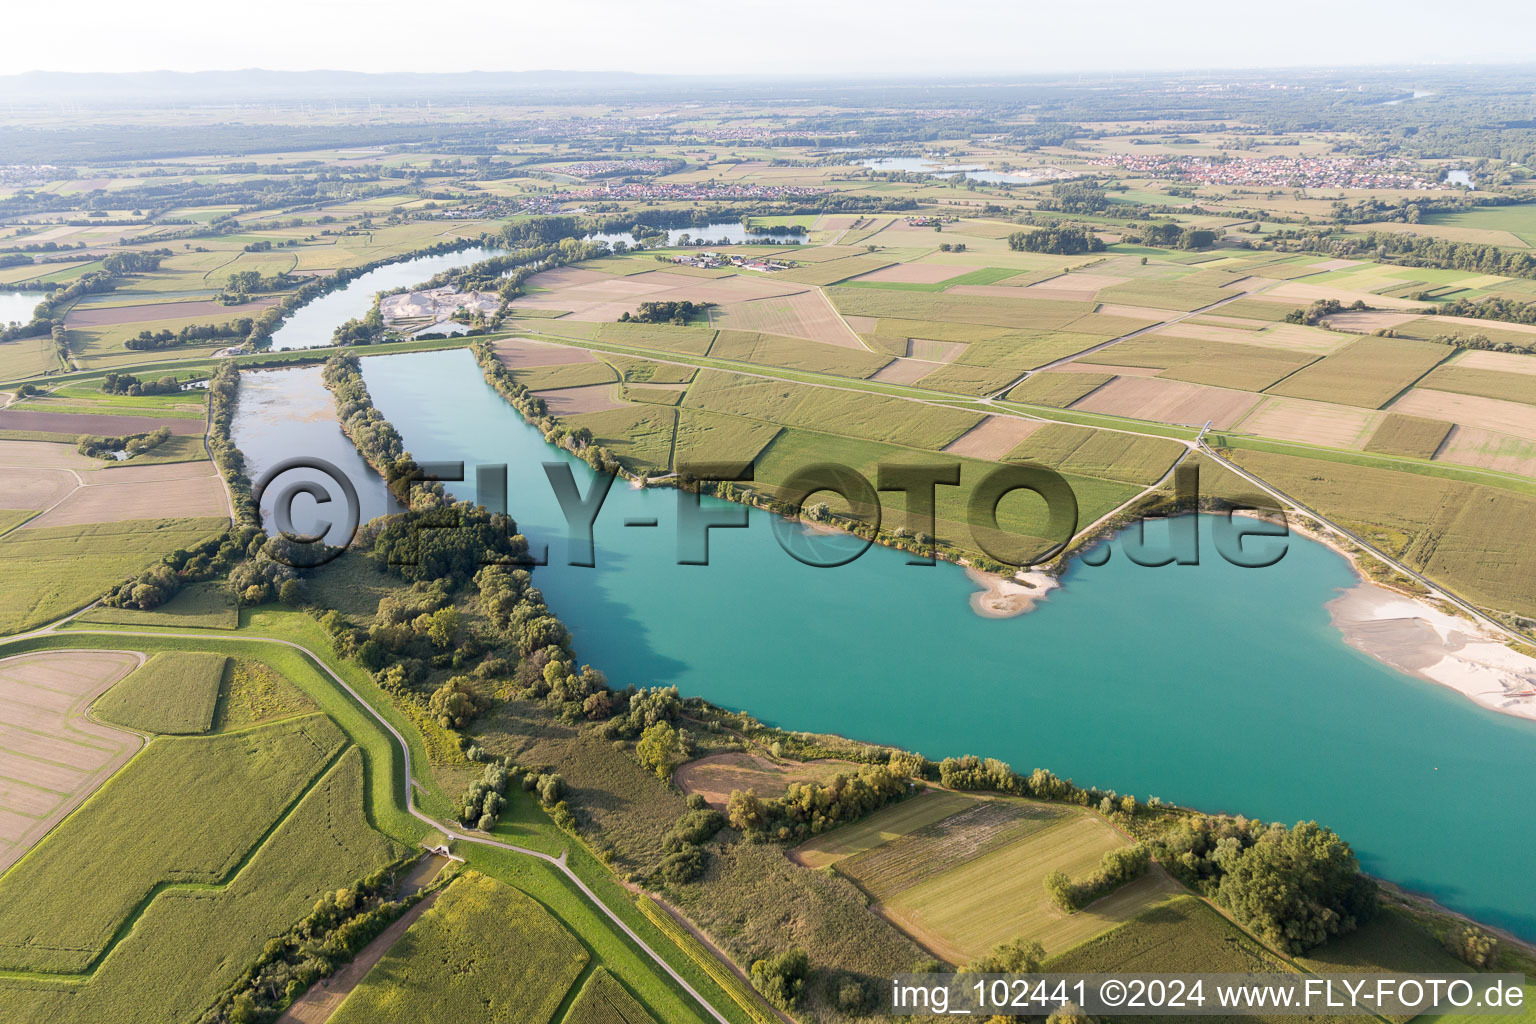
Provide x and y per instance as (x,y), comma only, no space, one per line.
(1221,688)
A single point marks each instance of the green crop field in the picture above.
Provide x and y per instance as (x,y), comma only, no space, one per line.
(189,944)
(866,416)
(253,693)
(1368,373)
(965,379)
(199,606)
(484,952)
(175,692)
(1413,436)
(52,571)
(1462,534)
(645,371)
(640,437)
(1022,313)
(1257,309)
(1427,329)
(832,271)
(1518,220)
(1058,389)
(879,828)
(795,354)
(1084,451)
(713,437)
(602,1000)
(1217,363)
(1507,387)
(1178,295)
(1022,516)
(686,340)
(207,801)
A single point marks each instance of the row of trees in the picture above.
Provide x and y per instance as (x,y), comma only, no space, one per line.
(128,384)
(191,334)
(131,445)
(334,932)
(810,808)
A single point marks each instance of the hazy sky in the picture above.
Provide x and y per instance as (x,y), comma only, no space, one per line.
(908,37)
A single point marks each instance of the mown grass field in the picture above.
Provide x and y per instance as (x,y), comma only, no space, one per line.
(962,889)
(1368,373)
(880,828)
(175,693)
(207,801)
(483,952)
(52,571)
(1413,436)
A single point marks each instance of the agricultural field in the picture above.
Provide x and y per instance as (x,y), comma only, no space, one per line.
(54,571)
(174,693)
(1409,435)
(962,874)
(51,755)
(1462,533)
(188,946)
(1368,373)
(484,951)
(209,799)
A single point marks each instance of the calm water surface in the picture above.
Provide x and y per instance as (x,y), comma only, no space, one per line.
(17,307)
(1222,688)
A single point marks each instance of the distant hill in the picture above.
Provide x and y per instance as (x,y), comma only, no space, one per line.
(259,84)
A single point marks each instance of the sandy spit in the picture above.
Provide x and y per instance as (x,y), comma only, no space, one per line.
(1003,597)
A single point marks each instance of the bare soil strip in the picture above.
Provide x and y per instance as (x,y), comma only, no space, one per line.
(993,437)
(104,426)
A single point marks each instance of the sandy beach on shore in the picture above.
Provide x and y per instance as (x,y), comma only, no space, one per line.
(1004,597)
(1424,641)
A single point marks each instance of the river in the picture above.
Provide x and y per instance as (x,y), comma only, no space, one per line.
(313,324)
(1222,688)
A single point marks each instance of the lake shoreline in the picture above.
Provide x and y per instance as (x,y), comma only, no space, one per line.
(1401,630)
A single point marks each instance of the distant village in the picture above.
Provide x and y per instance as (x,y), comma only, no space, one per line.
(1276,171)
